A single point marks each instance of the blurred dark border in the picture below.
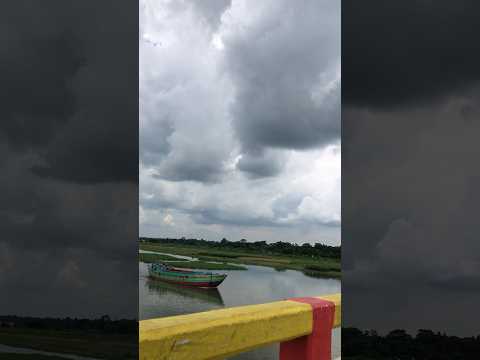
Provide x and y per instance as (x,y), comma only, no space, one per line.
(69,177)
(410,111)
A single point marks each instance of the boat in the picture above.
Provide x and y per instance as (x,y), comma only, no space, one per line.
(174,275)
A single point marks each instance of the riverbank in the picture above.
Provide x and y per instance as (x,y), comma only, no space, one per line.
(219,259)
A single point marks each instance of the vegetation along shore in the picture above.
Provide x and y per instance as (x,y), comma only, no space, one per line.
(101,338)
(316,260)
(398,344)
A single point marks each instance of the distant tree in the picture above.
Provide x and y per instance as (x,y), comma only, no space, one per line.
(318,250)
(398,344)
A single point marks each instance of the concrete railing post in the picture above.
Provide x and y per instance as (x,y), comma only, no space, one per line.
(317,345)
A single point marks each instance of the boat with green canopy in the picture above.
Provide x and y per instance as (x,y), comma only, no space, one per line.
(185,277)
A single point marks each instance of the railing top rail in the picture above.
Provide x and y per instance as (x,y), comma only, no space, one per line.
(225,332)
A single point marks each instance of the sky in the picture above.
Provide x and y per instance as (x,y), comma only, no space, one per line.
(69,163)
(410,111)
(240,138)
(240,120)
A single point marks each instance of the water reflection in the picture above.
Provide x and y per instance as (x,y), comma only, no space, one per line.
(212,296)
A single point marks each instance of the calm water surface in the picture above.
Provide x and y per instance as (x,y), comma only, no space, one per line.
(256,285)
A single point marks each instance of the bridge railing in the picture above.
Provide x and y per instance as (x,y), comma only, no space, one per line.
(302,326)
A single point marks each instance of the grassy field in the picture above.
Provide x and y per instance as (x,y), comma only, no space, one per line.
(148,258)
(102,346)
(323,267)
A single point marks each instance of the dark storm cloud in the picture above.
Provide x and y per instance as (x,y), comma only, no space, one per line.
(219,216)
(68,137)
(287,90)
(262,164)
(48,92)
(66,283)
(51,93)
(153,145)
(409,189)
(396,54)
(191,167)
(277,65)
(409,222)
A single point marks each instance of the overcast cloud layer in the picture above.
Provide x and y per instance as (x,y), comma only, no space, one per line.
(68,170)
(411,104)
(240,120)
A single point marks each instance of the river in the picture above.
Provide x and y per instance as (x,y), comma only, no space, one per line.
(256,285)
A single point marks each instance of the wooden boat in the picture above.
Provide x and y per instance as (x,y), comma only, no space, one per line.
(185,277)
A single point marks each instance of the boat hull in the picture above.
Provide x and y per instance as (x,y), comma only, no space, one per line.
(188,278)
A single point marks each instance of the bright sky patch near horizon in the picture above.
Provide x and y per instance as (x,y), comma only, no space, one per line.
(240,120)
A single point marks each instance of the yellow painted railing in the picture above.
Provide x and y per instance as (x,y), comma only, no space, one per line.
(217,334)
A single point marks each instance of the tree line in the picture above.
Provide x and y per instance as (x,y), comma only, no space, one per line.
(316,250)
(103,324)
(399,345)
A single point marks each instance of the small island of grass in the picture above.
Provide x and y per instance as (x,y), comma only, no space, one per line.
(193,264)
(151,257)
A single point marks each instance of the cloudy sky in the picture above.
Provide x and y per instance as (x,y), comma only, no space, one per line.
(410,111)
(68,170)
(240,120)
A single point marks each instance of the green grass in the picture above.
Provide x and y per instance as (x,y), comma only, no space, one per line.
(221,254)
(202,265)
(149,258)
(102,346)
(322,274)
(153,247)
(323,267)
(315,267)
